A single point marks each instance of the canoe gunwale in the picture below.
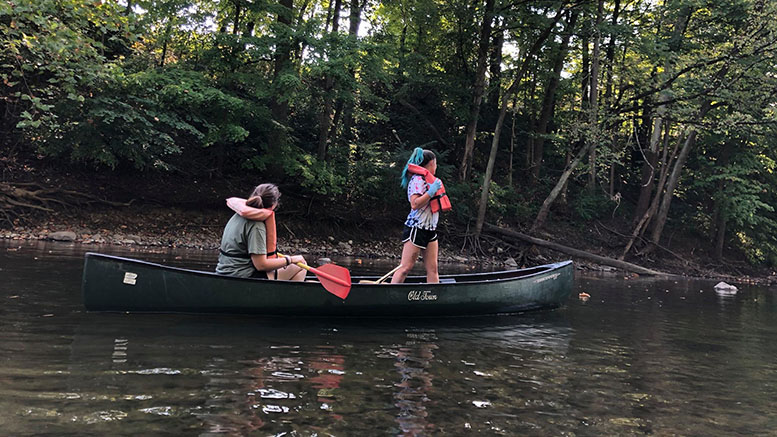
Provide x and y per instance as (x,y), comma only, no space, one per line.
(509,275)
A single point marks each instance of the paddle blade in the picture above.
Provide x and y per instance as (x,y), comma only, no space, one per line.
(335,279)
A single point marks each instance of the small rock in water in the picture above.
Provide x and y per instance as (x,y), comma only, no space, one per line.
(63,236)
(725,288)
(322,261)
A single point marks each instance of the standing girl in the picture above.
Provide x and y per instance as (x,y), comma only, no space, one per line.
(427,198)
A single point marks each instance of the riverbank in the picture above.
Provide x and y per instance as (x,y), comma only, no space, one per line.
(153,226)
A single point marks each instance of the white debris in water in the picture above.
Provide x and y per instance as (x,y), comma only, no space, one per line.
(479,373)
(270,393)
(275,409)
(481,404)
(722,287)
(157,371)
(159,411)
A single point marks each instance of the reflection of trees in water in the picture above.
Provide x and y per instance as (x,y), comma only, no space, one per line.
(412,362)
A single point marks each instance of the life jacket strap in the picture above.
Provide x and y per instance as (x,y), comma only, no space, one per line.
(235,255)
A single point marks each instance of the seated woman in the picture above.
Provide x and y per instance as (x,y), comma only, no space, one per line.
(249,239)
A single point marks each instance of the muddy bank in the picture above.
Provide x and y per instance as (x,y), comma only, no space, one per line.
(181,228)
(158,227)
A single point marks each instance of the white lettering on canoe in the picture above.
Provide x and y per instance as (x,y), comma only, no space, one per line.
(130,278)
(547,278)
(421,295)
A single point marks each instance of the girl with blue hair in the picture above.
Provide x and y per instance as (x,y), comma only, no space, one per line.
(420,233)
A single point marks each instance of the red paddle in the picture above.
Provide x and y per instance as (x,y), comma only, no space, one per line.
(335,279)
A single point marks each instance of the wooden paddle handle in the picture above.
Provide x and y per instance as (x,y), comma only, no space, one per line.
(383,278)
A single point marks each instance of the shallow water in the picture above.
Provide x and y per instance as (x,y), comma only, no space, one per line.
(642,356)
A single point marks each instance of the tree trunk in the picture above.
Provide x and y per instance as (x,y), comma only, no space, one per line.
(478,90)
(500,121)
(236,21)
(542,215)
(279,106)
(168,29)
(720,234)
(353,32)
(610,54)
(649,167)
(594,96)
(651,161)
(585,74)
(663,211)
(327,95)
(512,147)
(495,76)
(721,204)
(644,220)
(549,101)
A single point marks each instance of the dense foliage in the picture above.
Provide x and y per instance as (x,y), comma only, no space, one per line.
(645,113)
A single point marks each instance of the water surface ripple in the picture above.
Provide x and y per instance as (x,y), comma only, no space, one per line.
(642,356)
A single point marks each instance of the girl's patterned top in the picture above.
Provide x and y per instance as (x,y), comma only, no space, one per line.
(422,218)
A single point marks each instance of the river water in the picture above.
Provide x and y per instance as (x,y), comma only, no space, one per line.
(641,356)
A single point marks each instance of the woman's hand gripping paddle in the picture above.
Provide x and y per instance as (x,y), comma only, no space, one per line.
(335,279)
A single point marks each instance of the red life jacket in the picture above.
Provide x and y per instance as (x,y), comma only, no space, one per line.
(272,236)
(440,201)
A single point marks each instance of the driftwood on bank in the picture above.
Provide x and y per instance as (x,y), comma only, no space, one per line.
(574,252)
(20,196)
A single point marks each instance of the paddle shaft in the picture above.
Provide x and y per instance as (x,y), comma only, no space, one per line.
(318,272)
(383,278)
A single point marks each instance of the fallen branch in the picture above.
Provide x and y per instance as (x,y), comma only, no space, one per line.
(26,196)
(575,252)
(685,261)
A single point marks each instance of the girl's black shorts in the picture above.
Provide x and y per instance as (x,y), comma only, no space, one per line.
(419,237)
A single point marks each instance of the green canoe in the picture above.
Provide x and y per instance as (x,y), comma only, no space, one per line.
(112,283)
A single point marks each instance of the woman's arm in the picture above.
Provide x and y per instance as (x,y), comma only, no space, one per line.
(264,264)
(238,205)
(419,200)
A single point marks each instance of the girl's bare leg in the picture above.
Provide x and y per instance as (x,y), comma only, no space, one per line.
(430,262)
(409,256)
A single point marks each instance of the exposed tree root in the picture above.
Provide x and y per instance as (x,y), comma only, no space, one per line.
(16,199)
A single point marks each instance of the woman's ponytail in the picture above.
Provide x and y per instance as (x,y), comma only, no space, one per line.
(417,157)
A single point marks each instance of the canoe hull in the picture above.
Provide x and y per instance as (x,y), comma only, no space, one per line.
(126,285)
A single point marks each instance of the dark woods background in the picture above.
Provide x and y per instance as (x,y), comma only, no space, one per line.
(641,116)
